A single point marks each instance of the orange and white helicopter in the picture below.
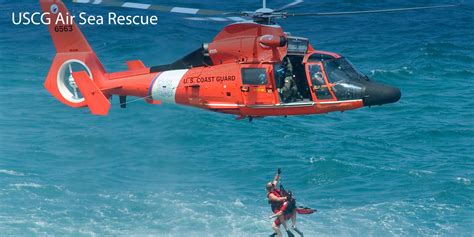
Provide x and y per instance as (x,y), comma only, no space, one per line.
(241,72)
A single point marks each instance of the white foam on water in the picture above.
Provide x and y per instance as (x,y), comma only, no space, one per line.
(313,160)
(238,203)
(420,173)
(394,71)
(386,219)
(463,180)
(11,172)
(26,185)
(353,164)
(41,223)
(104,195)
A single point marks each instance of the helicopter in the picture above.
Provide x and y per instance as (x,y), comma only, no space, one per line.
(244,71)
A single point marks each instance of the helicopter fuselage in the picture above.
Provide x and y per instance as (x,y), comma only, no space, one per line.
(238,73)
(249,69)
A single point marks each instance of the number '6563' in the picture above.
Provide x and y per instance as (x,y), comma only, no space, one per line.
(67,28)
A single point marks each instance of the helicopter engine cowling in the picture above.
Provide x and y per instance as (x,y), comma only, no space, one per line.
(248,42)
(272,41)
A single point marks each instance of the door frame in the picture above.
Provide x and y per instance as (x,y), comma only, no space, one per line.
(310,82)
(248,90)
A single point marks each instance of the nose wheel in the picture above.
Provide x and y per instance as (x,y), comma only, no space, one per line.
(67,85)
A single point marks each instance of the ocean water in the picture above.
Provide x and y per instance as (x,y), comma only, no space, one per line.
(403,169)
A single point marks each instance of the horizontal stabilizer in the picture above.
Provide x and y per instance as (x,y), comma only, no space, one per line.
(95,99)
(135,64)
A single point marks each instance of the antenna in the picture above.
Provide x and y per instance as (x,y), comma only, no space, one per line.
(264,3)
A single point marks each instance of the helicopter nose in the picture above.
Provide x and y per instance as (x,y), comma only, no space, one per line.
(379,94)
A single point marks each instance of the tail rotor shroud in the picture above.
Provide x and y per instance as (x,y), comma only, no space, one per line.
(65,80)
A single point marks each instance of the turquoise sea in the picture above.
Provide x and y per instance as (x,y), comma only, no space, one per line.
(403,169)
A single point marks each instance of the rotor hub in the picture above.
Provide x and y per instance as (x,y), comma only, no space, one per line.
(264,10)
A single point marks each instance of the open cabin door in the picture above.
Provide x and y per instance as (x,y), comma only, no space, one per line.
(257,88)
(320,87)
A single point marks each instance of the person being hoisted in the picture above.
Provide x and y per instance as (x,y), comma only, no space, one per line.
(283,206)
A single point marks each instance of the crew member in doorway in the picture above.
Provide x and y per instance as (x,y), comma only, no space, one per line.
(289,91)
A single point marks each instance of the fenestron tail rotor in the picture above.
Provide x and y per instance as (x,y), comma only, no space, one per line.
(66,82)
(262,15)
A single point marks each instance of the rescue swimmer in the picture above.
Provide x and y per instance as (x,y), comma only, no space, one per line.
(284,207)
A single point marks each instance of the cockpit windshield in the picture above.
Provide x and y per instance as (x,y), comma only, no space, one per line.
(341,69)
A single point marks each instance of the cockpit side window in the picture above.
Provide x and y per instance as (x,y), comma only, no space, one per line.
(316,75)
(342,70)
(318,83)
(254,76)
(318,57)
(347,82)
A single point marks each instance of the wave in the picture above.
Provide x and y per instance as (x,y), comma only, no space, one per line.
(420,173)
(313,159)
(26,185)
(397,218)
(11,172)
(463,180)
(398,71)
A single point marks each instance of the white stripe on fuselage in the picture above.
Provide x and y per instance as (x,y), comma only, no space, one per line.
(164,87)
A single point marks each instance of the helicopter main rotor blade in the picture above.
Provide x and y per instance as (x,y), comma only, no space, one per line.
(161,8)
(289,5)
(369,11)
(217,19)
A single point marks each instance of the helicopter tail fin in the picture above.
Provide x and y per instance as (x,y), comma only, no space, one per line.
(64,31)
(73,54)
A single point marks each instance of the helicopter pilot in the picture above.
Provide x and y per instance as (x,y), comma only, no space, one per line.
(317,80)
